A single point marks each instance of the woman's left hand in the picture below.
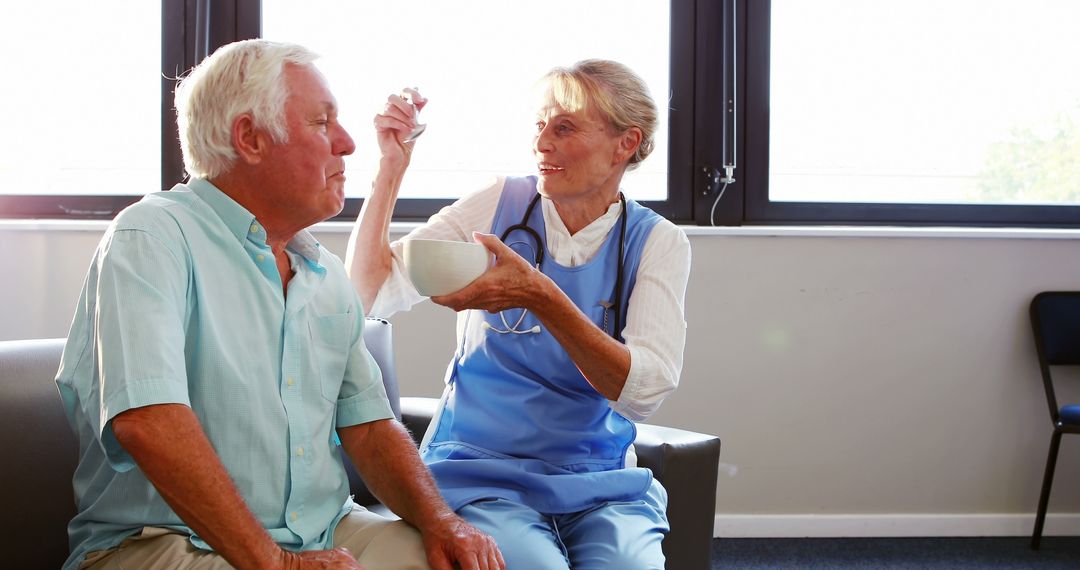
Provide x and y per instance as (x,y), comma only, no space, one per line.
(509,284)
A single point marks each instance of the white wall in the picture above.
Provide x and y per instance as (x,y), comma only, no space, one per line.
(872,385)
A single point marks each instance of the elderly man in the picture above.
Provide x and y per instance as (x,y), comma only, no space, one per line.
(216,356)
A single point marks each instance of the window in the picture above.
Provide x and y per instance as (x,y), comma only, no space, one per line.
(476,62)
(947,112)
(80,108)
(922,112)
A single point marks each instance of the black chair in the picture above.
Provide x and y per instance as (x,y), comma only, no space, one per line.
(1055,320)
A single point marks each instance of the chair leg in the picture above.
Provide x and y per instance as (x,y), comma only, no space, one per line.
(1044,497)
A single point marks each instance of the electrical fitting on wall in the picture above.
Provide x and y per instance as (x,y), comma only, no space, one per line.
(729,121)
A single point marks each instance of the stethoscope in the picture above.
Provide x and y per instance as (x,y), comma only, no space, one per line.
(523,226)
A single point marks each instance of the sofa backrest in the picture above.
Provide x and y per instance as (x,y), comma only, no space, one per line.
(41,451)
(42,455)
(379,338)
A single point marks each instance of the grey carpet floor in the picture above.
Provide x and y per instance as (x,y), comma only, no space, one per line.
(906,553)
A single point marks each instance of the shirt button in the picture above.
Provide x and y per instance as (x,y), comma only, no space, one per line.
(294,516)
(260,257)
(254,228)
(289,381)
(300,451)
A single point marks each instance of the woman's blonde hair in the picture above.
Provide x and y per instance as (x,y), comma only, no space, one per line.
(618,93)
(242,77)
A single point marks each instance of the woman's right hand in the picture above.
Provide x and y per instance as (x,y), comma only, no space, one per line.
(395,122)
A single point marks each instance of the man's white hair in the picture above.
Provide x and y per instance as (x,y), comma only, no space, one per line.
(241,77)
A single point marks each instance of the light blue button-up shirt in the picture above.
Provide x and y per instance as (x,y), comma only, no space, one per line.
(183,305)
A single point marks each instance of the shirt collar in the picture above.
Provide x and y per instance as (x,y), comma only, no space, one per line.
(307,246)
(577,249)
(243,223)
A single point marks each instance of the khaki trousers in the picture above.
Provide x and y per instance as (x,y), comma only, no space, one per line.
(375,541)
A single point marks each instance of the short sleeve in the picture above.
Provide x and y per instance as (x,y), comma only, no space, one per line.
(363,397)
(141,298)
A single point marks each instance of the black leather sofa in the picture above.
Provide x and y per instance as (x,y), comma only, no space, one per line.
(41,454)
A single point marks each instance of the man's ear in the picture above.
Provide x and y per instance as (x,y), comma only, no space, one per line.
(250,143)
(629,141)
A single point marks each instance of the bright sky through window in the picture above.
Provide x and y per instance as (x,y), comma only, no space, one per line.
(477,62)
(81,98)
(925,101)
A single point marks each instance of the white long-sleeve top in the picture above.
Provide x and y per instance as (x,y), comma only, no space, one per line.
(655,330)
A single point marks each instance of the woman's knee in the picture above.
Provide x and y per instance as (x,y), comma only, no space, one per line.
(525,537)
(605,557)
(626,561)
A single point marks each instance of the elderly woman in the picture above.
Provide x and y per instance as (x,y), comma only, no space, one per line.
(574,333)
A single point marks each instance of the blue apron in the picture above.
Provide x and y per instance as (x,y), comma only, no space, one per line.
(518,421)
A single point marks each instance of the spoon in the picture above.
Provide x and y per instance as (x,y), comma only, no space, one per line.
(420,127)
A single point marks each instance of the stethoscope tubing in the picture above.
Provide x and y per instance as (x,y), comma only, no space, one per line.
(523,225)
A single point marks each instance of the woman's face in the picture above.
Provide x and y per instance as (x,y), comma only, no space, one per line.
(578,153)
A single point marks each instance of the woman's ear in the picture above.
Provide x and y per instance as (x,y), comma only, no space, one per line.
(629,141)
(249,142)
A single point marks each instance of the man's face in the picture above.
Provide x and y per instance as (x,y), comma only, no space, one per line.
(307,173)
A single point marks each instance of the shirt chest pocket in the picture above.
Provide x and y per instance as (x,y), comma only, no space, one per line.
(331,339)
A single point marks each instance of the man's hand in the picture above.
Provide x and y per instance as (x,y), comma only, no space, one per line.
(454,540)
(338,558)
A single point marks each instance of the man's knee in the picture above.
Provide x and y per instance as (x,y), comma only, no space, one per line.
(156,548)
(397,546)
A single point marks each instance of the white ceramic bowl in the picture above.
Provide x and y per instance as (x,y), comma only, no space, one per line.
(440,267)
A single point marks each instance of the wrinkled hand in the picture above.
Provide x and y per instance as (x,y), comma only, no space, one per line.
(454,540)
(396,121)
(338,558)
(511,283)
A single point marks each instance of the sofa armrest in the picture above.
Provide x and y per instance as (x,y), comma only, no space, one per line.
(416,414)
(684,461)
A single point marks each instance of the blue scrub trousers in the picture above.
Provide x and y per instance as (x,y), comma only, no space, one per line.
(623,535)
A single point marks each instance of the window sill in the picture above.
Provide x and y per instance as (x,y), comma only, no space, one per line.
(401,228)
